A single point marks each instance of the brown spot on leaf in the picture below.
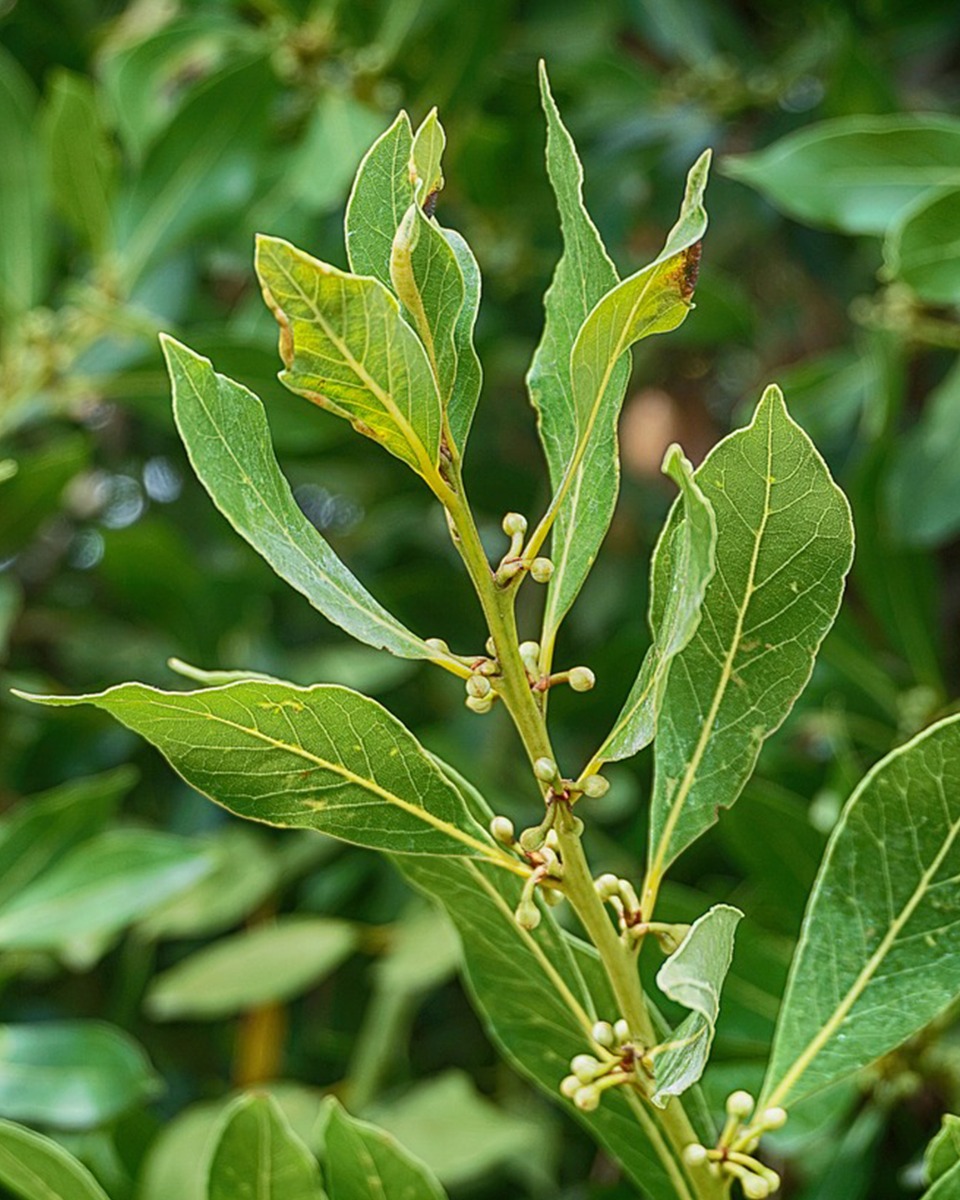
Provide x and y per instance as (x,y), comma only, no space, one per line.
(691,269)
(286,333)
(430,204)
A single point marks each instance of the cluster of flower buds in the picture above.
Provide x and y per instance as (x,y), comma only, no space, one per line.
(513,562)
(733,1154)
(612,1065)
(622,898)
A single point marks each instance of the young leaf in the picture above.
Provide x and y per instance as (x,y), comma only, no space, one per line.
(362,1162)
(346,348)
(947,1187)
(224,428)
(855,173)
(879,951)
(33,1167)
(426,156)
(466,387)
(257,1156)
(263,965)
(675,607)
(943,1151)
(101,886)
(693,976)
(654,300)
(923,251)
(583,276)
(382,193)
(71,1074)
(784,545)
(320,757)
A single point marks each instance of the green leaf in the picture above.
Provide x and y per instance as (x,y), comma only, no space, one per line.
(43,828)
(466,388)
(257,1156)
(943,1151)
(81,159)
(855,173)
(879,951)
(922,482)
(321,758)
(382,193)
(201,170)
(24,244)
(267,964)
(693,976)
(346,348)
(426,155)
(947,1187)
(922,249)
(99,888)
(654,300)
(362,1162)
(71,1074)
(675,609)
(225,431)
(539,993)
(33,1167)
(784,545)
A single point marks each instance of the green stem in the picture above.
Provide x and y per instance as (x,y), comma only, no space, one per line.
(618,961)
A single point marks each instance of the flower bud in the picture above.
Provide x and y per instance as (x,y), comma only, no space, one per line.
(587,1099)
(541,569)
(491,647)
(438,644)
(607,885)
(755,1188)
(514,524)
(478,686)
(621,1031)
(774,1118)
(595,786)
(527,915)
(530,656)
(694,1155)
(479,704)
(545,770)
(502,829)
(552,896)
(581,679)
(740,1104)
(532,838)
(569,1086)
(602,1034)
(584,1066)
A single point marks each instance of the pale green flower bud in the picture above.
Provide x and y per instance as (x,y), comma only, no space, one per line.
(478,686)
(541,569)
(694,1155)
(527,915)
(587,1099)
(755,1188)
(491,647)
(621,1031)
(570,1086)
(514,524)
(602,1034)
(545,770)
(774,1118)
(595,786)
(552,896)
(530,656)
(502,829)
(585,1067)
(438,644)
(740,1104)
(581,679)
(607,885)
(479,705)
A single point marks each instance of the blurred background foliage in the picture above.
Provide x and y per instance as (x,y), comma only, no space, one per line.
(153,954)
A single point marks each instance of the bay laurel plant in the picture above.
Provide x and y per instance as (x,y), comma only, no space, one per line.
(746,580)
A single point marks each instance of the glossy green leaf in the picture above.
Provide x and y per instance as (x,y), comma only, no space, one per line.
(784,545)
(855,173)
(879,952)
(346,347)
(225,431)
(584,274)
(200,170)
(81,161)
(922,249)
(267,964)
(675,608)
(382,193)
(943,1152)
(71,1074)
(319,758)
(693,976)
(512,973)
(33,1167)
(654,300)
(362,1162)
(24,244)
(922,483)
(947,1187)
(42,828)
(257,1156)
(100,887)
